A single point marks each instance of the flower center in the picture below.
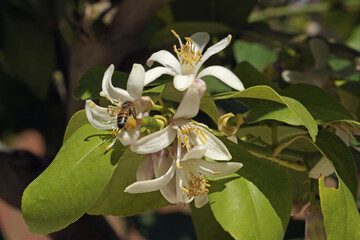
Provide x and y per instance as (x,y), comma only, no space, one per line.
(187,53)
(183,135)
(197,186)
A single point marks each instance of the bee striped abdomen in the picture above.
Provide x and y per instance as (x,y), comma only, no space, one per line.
(127,108)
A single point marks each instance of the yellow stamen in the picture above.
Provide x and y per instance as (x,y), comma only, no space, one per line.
(92,105)
(178,165)
(216,173)
(175,34)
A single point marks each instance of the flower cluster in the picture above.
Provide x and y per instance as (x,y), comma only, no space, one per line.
(177,157)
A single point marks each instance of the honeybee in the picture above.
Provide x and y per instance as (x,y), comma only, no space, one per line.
(127,108)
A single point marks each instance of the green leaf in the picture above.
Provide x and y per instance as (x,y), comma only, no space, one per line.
(256,54)
(260,200)
(338,153)
(341,216)
(206,226)
(267,93)
(72,182)
(89,86)
(250,77)
(29,51)
(78,120)
(186,29)
(242,210)
(114,201)
(321,105)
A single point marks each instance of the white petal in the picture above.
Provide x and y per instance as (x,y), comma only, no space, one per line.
(98,116)
(155,141)
(220,169)
(196,152)
(169,191)
(223,74)
(200,201)
(145,170)
(128,137)
(182,82)
(200,39)
(153,74)
(181,181)
(136,80)
(115,94)
(320,51)
(216,149)
(152,185)
(166,59)
(213,50)
(323,167)
(189,105)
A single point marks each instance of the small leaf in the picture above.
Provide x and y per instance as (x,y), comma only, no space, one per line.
(266,93)
(256,54)
(72,182)
(78,120)
(341,216)
(89,86)
(114,201)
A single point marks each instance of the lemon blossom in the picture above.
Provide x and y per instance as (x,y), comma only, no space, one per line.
(105,118)
(188,133)
(183,183)
(185,69)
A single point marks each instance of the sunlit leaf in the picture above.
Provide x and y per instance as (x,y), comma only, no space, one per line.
(72,182)
(78,120)
(341,216)
(266,93)
(260,199)
(206,226)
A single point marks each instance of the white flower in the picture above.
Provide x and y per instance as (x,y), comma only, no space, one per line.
(183,183)
(106,118)
(189,133)
(190,58)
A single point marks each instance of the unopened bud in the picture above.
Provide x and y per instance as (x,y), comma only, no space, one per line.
(229,124)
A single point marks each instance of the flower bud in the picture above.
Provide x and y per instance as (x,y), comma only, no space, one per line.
(229,124)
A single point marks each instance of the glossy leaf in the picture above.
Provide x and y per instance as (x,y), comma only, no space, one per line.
(256,54)
(321,105)
(72,182)
(114,201)
(89,86)
(267,93)
(341,216)
(78,120)
(206,226)
(260,199)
